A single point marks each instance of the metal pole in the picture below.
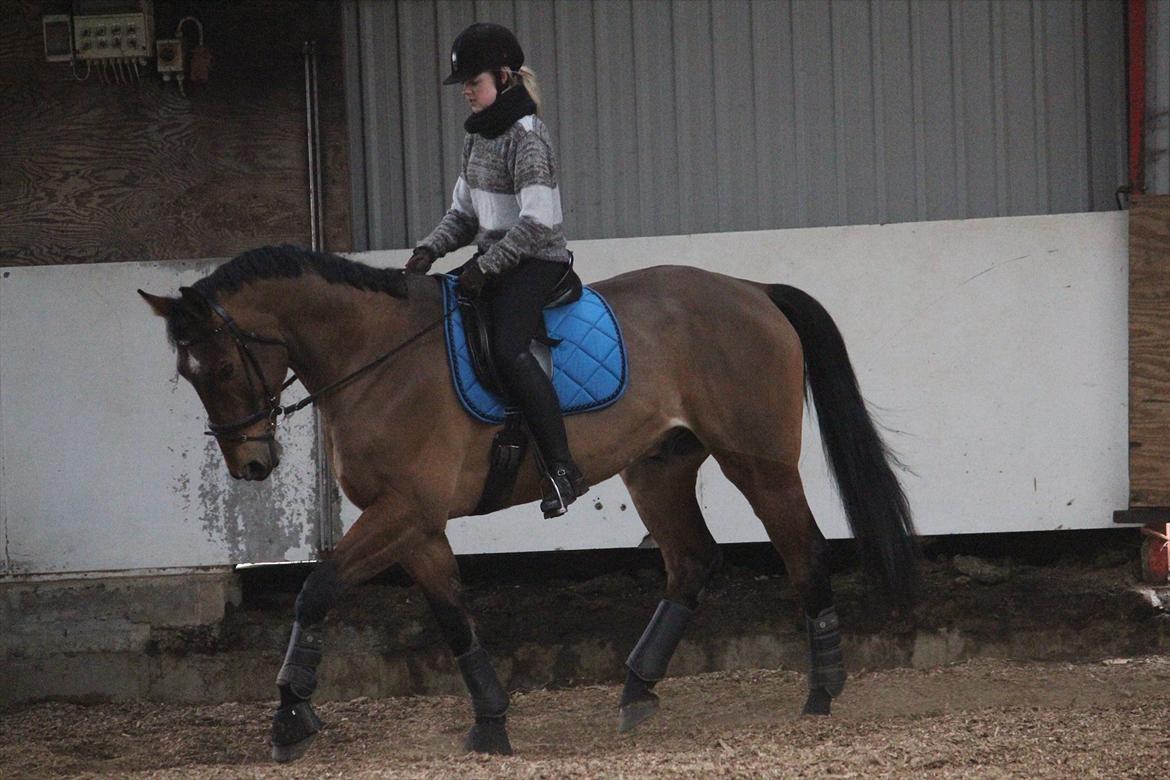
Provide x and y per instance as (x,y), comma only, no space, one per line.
(307,50)
(327,498)
(316,117)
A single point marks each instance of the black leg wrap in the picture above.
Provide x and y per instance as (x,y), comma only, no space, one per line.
(293,728)
(489,702)
(299,671)
(318,594)
(651,655)
(488,697)
(826,667)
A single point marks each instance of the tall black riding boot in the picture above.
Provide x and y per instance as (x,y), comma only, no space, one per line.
(533,392)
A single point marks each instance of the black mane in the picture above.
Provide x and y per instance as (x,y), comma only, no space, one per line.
(286,261)
(282,262)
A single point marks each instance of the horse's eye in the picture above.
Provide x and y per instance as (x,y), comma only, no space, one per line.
(225,372)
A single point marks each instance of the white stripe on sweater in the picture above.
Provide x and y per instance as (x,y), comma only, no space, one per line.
(500,211)
(542,204)
(461,198)
(496,210)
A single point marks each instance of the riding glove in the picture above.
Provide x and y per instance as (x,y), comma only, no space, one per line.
(420,262)
(471,281)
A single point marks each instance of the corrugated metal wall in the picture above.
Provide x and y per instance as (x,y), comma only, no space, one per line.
(1157,162)
(690,116)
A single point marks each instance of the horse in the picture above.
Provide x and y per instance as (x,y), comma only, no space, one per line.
(717,367)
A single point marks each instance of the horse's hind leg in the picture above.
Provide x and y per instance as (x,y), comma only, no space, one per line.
(662,486)
(777,497)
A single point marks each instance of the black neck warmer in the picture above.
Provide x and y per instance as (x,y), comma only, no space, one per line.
(510,105)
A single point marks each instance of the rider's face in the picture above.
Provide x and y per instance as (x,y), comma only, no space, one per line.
(480,91)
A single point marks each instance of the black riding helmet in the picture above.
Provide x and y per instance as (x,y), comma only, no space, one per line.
(483,46)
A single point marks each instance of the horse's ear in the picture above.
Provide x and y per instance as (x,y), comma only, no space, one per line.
(194,302)
(162,305)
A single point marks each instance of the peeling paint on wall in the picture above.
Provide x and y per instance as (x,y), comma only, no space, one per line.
(247,517)
(130,481)
(251,521)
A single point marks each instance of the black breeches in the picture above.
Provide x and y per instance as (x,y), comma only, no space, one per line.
(517,299)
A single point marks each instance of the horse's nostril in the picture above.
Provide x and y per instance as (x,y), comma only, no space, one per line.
(256,470)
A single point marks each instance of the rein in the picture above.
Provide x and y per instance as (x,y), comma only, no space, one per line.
(272,410)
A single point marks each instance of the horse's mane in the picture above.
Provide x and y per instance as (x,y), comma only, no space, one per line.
(286,261)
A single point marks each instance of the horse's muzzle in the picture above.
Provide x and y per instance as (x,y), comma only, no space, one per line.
(258,468)
(255,470)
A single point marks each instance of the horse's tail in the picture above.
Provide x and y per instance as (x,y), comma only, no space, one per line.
(862,465)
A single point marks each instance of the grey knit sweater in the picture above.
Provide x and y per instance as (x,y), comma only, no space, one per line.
(506,200)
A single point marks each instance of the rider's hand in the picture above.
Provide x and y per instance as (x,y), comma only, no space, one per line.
(420,262)
(471,281)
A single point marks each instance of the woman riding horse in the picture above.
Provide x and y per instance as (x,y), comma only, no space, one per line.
(508,202)
(718,369)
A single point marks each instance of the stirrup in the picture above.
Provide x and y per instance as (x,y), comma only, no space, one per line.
(562,485)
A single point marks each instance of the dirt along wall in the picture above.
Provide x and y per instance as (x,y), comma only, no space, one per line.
(105,172)
(1028,655)
(552,620)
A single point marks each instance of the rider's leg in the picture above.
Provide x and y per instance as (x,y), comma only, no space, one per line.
(517,302)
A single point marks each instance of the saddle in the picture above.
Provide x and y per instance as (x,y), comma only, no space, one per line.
(477,324)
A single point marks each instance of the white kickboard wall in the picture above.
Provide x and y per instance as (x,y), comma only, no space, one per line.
(994,351)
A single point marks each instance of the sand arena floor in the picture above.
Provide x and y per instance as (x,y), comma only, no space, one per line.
(985,719)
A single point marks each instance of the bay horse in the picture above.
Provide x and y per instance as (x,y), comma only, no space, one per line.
(717,368)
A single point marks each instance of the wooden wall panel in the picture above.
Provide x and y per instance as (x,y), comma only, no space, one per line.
(1149,351)
(97,172)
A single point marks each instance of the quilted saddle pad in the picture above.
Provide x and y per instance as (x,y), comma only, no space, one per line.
(589,365)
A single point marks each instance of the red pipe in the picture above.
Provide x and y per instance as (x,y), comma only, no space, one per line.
(1136,23)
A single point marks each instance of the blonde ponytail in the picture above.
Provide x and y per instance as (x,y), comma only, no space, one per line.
(528,79)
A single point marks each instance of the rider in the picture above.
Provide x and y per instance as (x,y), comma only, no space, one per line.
(507,201)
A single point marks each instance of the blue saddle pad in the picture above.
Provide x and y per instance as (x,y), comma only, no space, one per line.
(589,365)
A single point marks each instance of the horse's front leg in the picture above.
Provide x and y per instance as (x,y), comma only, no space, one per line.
(378,539)
(433,567)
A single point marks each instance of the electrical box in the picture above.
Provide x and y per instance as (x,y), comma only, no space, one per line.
(170,55)
(113,29)
(58,37)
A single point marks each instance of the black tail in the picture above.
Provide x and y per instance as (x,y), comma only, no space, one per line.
(875,505)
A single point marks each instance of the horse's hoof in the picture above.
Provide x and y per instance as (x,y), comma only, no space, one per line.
(818,703)
(293,730)
(282,754)
(634,712)
(489,735)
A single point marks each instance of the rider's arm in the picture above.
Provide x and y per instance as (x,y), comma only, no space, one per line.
(534,177)
(459,225)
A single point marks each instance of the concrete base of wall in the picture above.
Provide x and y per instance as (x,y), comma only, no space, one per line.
(187,638)
(118,637)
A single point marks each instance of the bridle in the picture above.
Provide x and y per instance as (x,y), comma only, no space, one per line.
(270,408)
